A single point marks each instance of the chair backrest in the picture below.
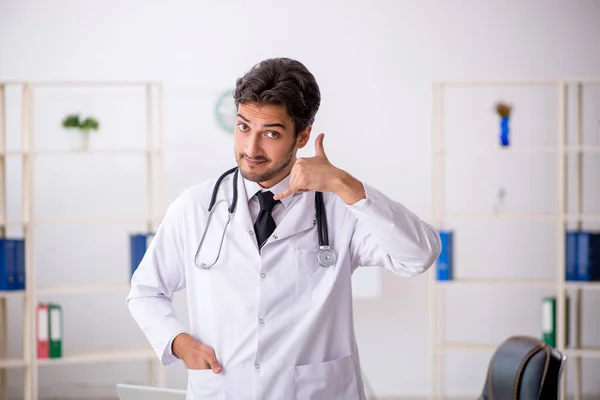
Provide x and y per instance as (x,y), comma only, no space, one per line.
(524,368)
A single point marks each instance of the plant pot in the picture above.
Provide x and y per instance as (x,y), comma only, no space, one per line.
(79,140)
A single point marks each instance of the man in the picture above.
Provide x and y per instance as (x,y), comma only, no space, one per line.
(267,320)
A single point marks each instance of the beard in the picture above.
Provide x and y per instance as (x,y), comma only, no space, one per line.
(270,173)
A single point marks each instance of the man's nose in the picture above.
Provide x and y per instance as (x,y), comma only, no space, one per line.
(252,146)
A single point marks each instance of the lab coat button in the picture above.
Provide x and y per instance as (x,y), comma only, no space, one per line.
(262,321)
(275,237)
(263,275)
(257,366)
(250,232)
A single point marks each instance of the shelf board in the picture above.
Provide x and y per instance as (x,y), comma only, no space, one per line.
(13,363)
(87,289)
(469,347)
(7,293)
(98,357)
(525,283)
(104,220)
(83,220)
(490,216)
(518,149)
(17,153)
(591,285)
(592,353)
(486,348)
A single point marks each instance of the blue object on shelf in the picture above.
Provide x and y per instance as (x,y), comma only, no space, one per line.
(445,260)
(12,264)
(138,244)
(504,131)
(588,256)
(19,264)
(571,256)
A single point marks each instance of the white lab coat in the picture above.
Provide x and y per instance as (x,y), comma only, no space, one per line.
(281,324)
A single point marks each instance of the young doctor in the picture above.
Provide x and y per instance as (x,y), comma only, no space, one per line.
(268,269)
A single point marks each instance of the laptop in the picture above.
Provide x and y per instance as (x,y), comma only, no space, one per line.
(136,392)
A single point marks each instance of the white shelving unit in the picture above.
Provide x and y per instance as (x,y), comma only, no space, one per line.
(440,217)
(153,151)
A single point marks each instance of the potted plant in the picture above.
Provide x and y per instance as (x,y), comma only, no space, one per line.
(73,121)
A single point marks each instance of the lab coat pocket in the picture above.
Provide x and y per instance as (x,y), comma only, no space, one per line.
(205,384)
(331,380)
(313,281)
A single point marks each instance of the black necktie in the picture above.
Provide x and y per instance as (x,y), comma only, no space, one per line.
(264,225)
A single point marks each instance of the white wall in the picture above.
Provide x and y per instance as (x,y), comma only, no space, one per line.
(374,61)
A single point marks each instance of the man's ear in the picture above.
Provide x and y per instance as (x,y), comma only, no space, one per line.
(304,136)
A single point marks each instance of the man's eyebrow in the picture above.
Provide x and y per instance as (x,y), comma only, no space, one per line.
(279,124)
(274,125)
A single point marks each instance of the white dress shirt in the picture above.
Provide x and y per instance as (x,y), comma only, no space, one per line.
(279,210)
(280,323)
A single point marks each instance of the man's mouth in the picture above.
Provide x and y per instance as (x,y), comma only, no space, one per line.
(254,162)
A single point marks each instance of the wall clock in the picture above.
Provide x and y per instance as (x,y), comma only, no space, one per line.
(225,111)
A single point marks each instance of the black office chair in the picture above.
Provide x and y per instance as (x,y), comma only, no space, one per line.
(524,368)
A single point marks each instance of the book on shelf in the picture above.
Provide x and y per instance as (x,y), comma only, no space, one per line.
(12,264)
(55,330)
(138,244)
(582,256)
(549,320)
(41,329)
(444,262)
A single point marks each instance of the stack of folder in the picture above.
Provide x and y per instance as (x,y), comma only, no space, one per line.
(444,262)
(138,244)
(49,330)
(582,261)
(12,264)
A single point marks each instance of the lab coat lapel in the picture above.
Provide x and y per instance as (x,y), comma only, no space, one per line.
(300,217)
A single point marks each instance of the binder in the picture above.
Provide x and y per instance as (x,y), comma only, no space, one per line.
(7,264)
(571,256)
(138,244)
(588,256)
(55,330)
(19,269)
(42,331)
(12,264)
(444,263)
(549,320)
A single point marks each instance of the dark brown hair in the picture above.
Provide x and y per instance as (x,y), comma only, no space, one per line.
(284,82)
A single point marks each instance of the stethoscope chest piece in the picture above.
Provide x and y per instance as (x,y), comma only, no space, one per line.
(326,257)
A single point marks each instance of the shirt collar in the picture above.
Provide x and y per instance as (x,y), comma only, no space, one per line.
(252,188)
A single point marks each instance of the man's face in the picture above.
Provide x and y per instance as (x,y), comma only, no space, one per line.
(265,144)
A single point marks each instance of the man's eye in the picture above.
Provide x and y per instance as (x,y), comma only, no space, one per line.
(242,127)
(273,134)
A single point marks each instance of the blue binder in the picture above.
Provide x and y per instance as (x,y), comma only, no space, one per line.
(571,256)
(138,244)
(588,256)
(12,264)
(445,260)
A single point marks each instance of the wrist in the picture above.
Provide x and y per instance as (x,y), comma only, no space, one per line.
(178,345)
(350,189)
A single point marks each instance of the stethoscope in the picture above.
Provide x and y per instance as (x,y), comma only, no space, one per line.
(326,256)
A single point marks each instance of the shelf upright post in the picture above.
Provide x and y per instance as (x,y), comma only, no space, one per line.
(30,298)
(437,205)
(561,224)
(159,173)
(3,221)
(579,225)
